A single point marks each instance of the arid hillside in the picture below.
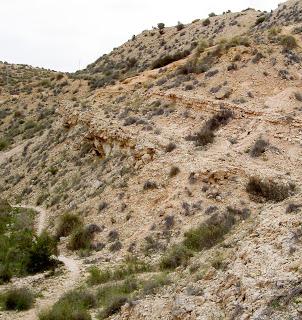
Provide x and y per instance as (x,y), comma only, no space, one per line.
(161,182)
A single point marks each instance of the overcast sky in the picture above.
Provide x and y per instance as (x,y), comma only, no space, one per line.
(67,35)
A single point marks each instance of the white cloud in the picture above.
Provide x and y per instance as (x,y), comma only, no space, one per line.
(68,34)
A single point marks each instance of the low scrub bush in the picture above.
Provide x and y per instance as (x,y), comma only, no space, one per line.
(259,148)
(80,239)
(260,20)
(298,96)
(206,22)
(41,253)
(179,26)
(268,189)
(74,305)
(288,42)
(169,58)
(18,299)
(205,236)
(292,207)
(4,143)
(206,134)
(149,185)
(67,223)
(129,267)
(209,233)
(113,297)
(150,286)
(177,256)
(174,171)
(170,147)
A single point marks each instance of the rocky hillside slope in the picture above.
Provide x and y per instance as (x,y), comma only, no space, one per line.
(170,171)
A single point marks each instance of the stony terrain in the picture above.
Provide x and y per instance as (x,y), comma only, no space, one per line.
(182,149)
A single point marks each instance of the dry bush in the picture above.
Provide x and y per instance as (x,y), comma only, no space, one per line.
(259,148)
(268,189)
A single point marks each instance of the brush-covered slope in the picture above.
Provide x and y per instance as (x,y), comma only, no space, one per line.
(185,180)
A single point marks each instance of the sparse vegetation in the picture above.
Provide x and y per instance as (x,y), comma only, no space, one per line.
(179,26)
(161,26)
(158,281)
(205,236)
(260,20)
(298,96)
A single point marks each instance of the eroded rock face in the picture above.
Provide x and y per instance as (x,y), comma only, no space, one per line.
(107,142)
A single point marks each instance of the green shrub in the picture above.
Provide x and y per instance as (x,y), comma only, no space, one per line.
(18,299)
(206,22)
(166,59)
(68,222)
(42,197)
(177,256)
(204,136)
(161,26)
(97,276)
(21,251)
(129,267)
(73,305)
(288,42)
(64,312)
(113,307)
(150,286)
(113,297)
(80,239)
(260,20)
(40,254)
(4,143)
(206,235)
(5,273)
(179,26)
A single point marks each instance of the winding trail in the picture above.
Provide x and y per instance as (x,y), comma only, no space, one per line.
(42,216)
(73,266)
